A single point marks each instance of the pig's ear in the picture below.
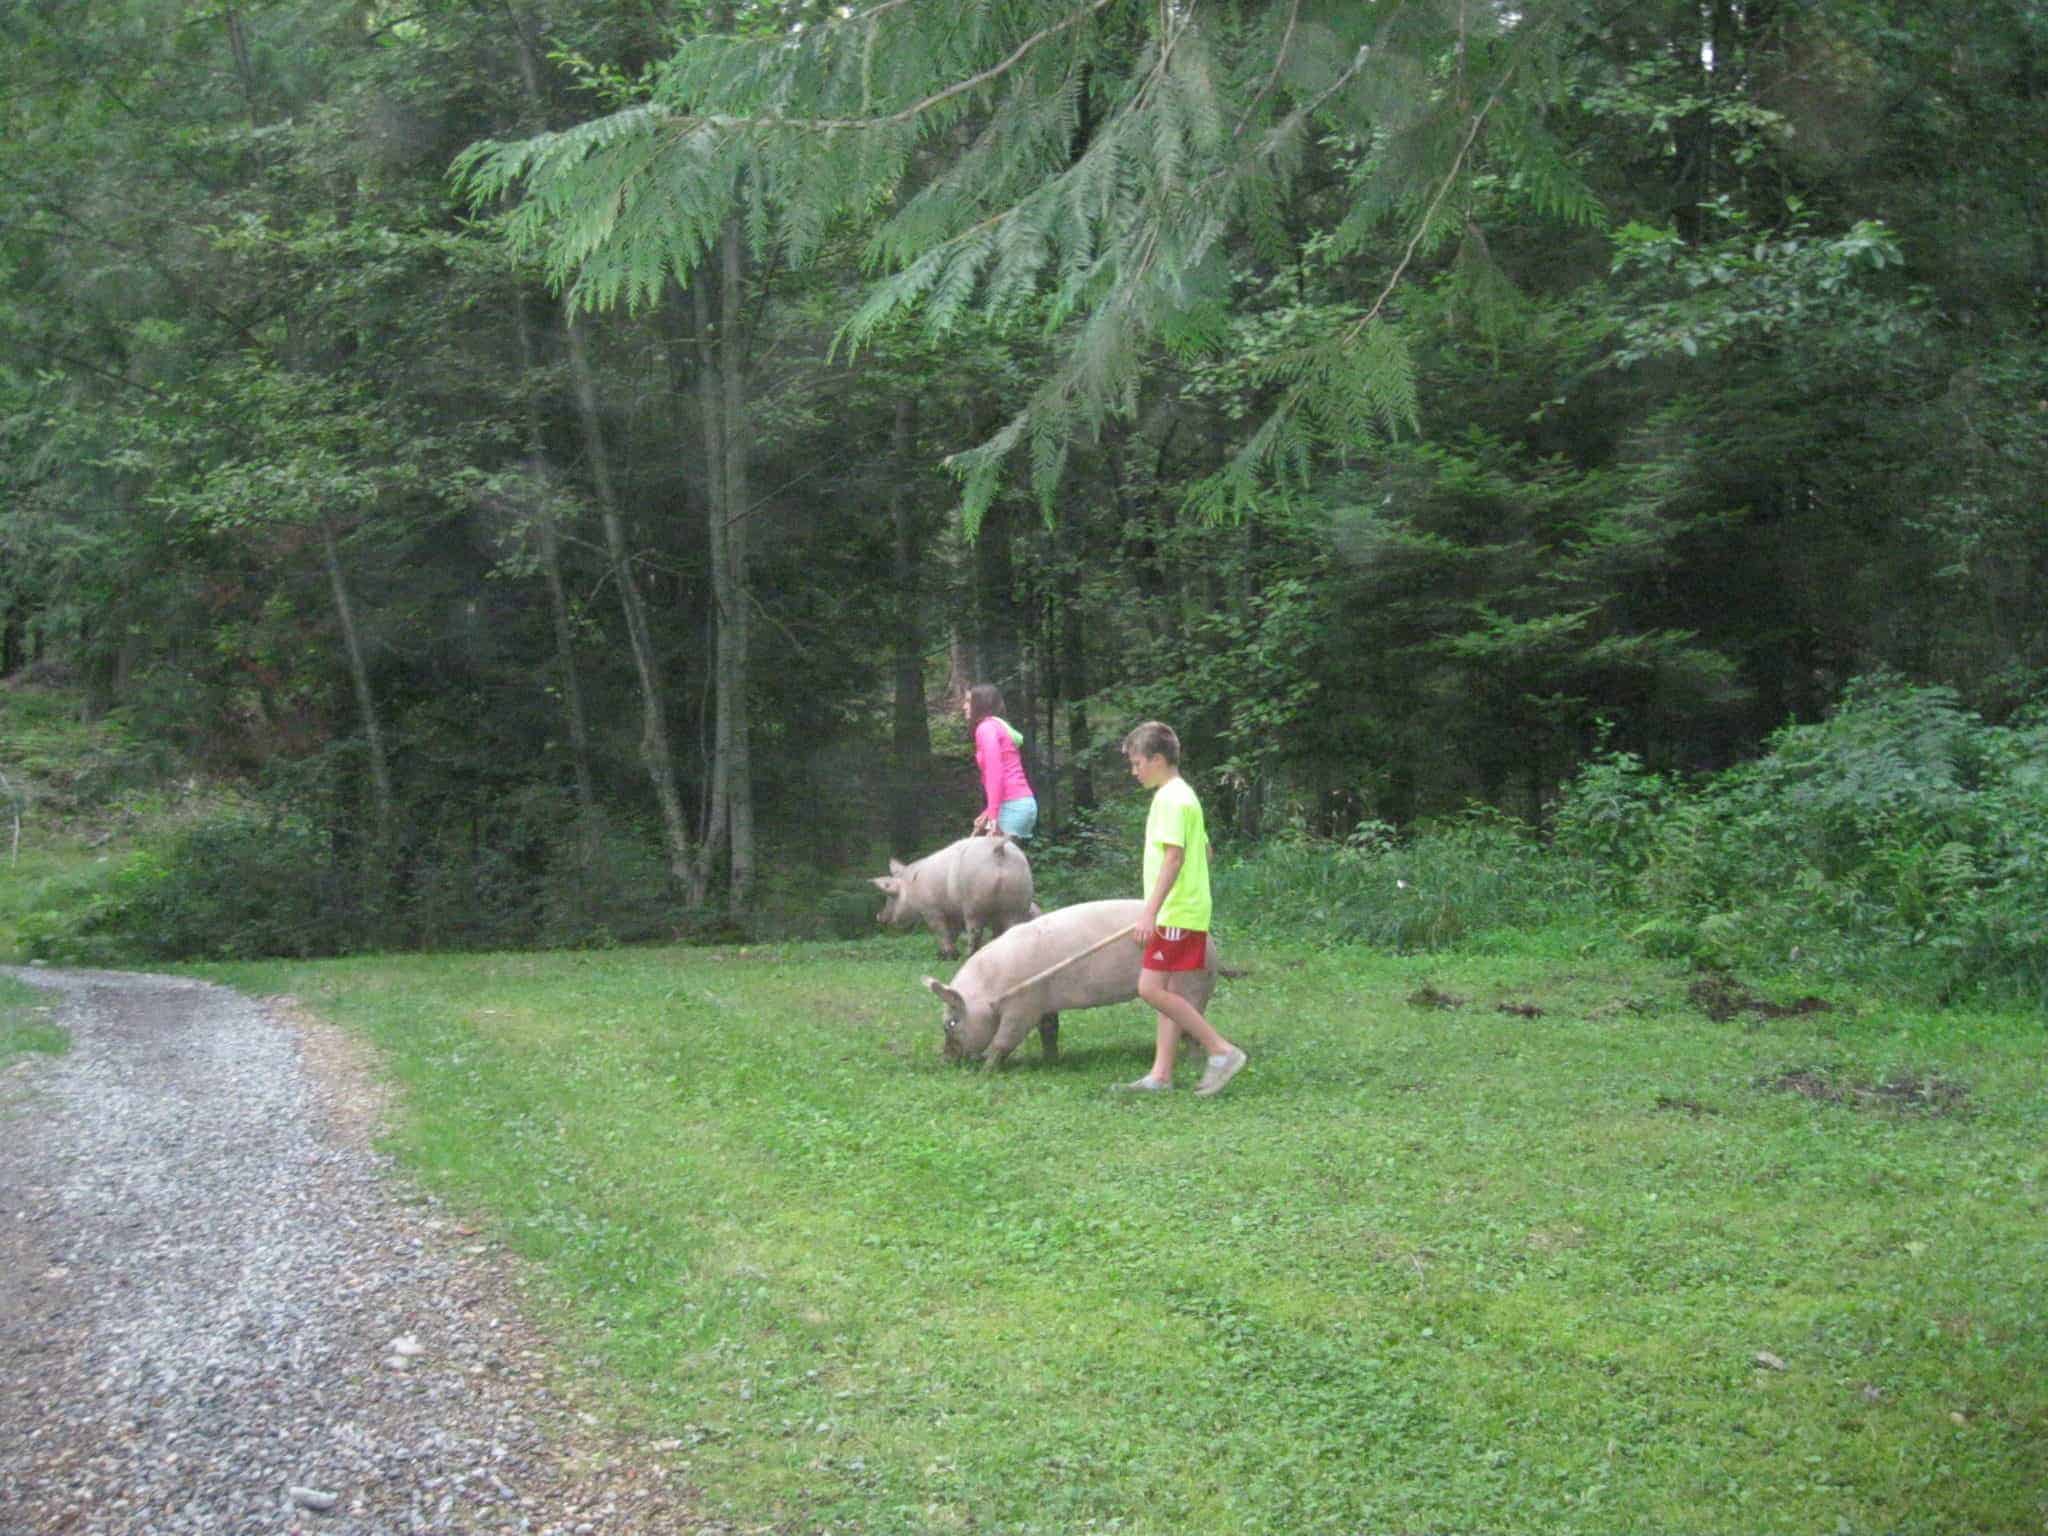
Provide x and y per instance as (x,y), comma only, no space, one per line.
(883,883)
(896,868)
(945,994)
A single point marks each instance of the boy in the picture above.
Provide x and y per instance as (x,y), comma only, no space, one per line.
(1174,930)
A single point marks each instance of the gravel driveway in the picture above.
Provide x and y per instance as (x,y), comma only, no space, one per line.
(220,1311)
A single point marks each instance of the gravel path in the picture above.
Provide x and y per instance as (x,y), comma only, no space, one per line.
(221,1312)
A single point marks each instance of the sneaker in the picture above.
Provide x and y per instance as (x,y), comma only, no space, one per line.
(1146,1084)
(1221,1070)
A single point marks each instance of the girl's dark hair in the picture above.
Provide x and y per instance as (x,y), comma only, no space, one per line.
(984,699)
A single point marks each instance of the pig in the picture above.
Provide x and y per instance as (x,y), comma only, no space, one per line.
(981,1021)
(973,887)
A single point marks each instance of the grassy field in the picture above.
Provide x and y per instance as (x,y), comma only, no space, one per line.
(1522,1241)
(25,1026)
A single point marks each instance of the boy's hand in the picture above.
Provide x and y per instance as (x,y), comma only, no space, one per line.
(1169,871)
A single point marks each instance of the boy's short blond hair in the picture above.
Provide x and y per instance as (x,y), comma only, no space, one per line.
(1153,739)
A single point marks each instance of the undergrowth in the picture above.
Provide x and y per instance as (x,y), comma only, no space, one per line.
(1903,840)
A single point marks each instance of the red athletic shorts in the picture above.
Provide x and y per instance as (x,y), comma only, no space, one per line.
(1176,949)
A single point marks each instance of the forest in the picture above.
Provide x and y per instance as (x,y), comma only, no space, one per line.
(562,461)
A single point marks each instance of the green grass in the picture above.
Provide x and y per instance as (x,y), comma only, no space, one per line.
(1609,1267)
(24,1023)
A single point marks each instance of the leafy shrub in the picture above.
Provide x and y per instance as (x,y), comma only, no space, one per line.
(1900,837)
(1610,819)
(232,889)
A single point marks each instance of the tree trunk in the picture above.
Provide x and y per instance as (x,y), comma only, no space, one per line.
(1074,659)
(588,816)
(962,669)
(383,801)
(722,402)
(245,71)
(1705,44)
(655,751)
(995,638)
(13,637)
(710,401)
(912,737)
(738,621)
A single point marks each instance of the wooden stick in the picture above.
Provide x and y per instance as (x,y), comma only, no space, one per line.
(1054,970)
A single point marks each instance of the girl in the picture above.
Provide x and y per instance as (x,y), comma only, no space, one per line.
(1007,802)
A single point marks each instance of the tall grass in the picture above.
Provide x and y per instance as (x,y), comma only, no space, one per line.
(1434,890)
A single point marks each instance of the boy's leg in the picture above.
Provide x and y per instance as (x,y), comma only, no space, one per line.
(1179,1015)
(1166,1046)
(1160,1075)
(1155,991)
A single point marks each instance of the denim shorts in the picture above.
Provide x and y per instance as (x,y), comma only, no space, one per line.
(1018,817)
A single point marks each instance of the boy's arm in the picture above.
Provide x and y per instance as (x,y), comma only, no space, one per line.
(1169,871)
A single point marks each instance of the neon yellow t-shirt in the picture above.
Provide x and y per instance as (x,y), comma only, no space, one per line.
(1176,820)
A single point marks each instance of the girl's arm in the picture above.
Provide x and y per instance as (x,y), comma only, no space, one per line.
(988,757)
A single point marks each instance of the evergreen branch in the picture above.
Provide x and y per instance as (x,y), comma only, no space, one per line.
(1279,64)
(1428,219)
(916,109)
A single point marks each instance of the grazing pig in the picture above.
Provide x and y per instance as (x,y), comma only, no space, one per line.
(985,1017)
(975,886)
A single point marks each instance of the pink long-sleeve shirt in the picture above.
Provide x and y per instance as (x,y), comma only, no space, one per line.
(1002,770)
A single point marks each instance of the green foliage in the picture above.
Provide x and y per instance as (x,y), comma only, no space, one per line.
(1902,837)
(1609,817)
(1751,287)
(227,889)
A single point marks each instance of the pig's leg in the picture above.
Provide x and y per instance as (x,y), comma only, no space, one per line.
(1195,986)
(1010,1028)
(985,925)
(943,932)
(1049,1036)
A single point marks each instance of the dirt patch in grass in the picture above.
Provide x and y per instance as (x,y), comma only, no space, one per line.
(1928,1092)
(1680,1103)
(1555,1239)
(1721,998)
(1808,1085)
(1916,1090)
(1617,1007)
(1427,996)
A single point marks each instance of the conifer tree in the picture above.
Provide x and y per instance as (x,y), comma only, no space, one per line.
(1096,164)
